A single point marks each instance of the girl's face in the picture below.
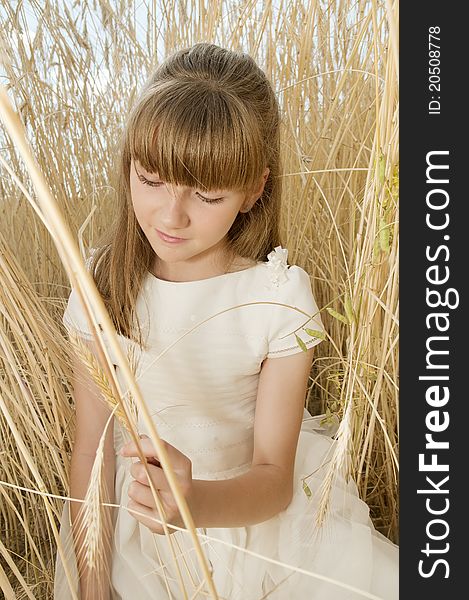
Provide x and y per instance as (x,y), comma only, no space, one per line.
(199,219)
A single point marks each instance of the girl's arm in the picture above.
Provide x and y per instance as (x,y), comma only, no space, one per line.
(262,492)
(267,488)
(91,417)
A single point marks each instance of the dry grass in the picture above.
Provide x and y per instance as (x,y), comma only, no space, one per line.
(334,68)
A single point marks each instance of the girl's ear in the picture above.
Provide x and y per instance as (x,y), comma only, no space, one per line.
(265,174)
(252,198)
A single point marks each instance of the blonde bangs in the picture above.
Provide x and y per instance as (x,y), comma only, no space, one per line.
(193,134)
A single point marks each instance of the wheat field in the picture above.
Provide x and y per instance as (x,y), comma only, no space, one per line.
(70,71)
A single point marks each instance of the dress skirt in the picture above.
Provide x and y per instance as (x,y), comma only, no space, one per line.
(347,559)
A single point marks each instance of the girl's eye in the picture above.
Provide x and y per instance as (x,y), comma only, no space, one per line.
(209,200)
(148,182)
(158,183)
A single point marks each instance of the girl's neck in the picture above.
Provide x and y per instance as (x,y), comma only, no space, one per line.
(189,272)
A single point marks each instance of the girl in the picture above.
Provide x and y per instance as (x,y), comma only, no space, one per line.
(196,235)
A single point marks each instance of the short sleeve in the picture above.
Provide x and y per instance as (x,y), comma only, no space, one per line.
(74,318)
(285,321)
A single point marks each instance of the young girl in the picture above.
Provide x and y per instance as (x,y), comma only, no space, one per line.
(196,235)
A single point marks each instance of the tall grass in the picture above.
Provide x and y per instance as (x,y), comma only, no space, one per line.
(335,71)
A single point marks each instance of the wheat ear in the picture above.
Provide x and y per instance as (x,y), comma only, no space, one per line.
(99,377)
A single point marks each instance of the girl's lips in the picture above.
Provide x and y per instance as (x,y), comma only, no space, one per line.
(168,238)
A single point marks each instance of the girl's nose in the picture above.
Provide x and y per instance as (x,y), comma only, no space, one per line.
(174,213)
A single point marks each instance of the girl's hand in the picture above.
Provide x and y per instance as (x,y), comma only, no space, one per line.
(140,494)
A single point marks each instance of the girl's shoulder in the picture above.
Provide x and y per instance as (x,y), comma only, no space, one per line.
(272,278)
(295,322)
(281,277)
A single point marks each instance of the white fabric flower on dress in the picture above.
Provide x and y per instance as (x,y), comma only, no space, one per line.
(277,265)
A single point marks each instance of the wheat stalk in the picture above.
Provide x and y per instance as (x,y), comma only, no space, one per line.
(91,522)
(90,517)
(100,378)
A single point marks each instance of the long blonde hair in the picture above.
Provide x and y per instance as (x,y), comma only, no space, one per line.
(207,117)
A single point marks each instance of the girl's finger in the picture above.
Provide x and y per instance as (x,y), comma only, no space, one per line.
(178,459)
(137,470)
(143,495)
(145,516)
(146,445)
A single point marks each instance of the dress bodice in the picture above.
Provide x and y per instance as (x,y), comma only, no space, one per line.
(206,342)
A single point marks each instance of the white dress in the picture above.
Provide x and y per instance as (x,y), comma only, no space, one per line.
(202,396)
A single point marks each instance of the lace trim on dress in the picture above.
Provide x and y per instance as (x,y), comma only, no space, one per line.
(313,341)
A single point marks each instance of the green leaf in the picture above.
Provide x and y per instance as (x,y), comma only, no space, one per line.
(306,489)
(381,167)
(395,182)
(348,309)
(337,315)
(315,333)
(383,235)
(300,343)
(376,251)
